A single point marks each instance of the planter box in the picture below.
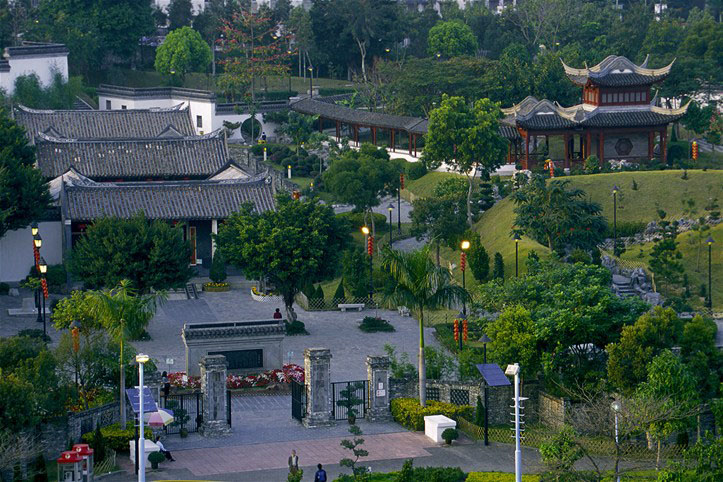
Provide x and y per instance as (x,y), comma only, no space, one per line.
(267,298)
(434,425)
(216,289)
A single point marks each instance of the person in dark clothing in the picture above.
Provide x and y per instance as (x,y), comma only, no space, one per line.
(277,314)
(320,474)
(165,452)
(166,384)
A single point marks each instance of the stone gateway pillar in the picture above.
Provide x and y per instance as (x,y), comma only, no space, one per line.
(378,376)
(317,367)
(213,385)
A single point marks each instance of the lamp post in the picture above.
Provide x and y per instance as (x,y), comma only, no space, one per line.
(37,244)
(463,266)
(390,208)
(141,443)
(484,340)
(514,370)
(615,219)
(34,228)
(75,333)
(616,407)
(710,279)
(311,88)
(399,203)
(43,268)
(517,255)
(370,251)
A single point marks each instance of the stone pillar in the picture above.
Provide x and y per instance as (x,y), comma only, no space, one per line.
(213,385)
(317,368)
(378,375)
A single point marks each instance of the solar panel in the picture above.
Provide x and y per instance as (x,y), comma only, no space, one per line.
(493,375)
(149,405)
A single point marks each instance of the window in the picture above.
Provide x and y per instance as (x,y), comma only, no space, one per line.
(199,121)
(627,96)
(107,105)
(605,99)
(123,107)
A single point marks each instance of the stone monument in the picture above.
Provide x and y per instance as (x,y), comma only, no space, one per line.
(378,375)
(213,385)
(317,365)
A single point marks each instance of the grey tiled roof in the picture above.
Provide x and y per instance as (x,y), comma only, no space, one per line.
(631,119)
(154,92)
(105,124)
(617,71)
(142,159)
(414,125)
(32,49)
(172,200)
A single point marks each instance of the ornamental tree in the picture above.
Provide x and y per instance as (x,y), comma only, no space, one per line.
(465,138)
(479,260)
(24,193)
(299,242)
(440,219)
(451,39)
(183,51)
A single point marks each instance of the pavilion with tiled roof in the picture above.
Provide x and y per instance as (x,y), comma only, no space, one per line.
(106,124)
(619,119)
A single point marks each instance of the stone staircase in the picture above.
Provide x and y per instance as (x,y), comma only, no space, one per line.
(623,286)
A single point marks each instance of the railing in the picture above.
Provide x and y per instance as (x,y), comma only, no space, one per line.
(318,304)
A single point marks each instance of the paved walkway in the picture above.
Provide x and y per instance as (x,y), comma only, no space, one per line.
(406,209)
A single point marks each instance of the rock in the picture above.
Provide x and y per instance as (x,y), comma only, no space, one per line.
(621,280)
(655,299)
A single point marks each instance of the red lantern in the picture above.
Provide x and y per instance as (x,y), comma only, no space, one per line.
(370,245)
(464,330)
(695,151)
(401,181)
(295,195)
(76,339)
(463,261)
(44,284)
(456,330)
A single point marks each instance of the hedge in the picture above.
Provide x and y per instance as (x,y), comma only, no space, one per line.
(408,412)
(115,438)
(498,477)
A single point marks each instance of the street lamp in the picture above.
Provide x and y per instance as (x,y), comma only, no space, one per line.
(37,240)
(484,339)
(399,203)
(710,279)
(75,333)
(141,443)
(615,219)
(311,76)
(517,254)
(514,370)
(390,208)
(616,407)
(370,251)
(34,228)
(463,265)
(42,269)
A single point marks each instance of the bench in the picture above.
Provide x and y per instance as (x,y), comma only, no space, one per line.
(403,310)
(351,306)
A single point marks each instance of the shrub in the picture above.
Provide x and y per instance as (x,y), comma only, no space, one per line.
(479,413)
(407,472)
(450,434)
(498,477)
(98,444)
(218,269)
(156,458)
(371,324)
(323,91)
(116,438)
(296,328)
(438,474)
(356,221)
(40,470)
(579,256)
(55,276)
(416,170)
(408,412)
(592,165)
(296,476)
(627,228)
(4,288)
(339,293)
(498,270)
(678,151)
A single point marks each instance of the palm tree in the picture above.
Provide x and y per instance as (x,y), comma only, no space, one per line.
(419,285)
(124,314)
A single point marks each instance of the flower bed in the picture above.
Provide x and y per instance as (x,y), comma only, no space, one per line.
(216,287)
(264,298)
(284,375)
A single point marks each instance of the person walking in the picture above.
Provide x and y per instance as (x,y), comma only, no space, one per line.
(320,474)
(163,450)
(293,462)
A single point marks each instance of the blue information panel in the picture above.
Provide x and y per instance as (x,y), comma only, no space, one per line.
(493,375)
(149,405)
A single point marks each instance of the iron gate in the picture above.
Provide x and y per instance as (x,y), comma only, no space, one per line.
(188,404)
(298,400)
(358,390)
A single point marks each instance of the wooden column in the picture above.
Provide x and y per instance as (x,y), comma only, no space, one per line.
(509,153)
(374,136)
(650,145)
(566,138)
(664,144)
(391,132)
(601,148)
(527,151)
(414,137)
(410,143)
(321,124)
(588,145)
(356,134)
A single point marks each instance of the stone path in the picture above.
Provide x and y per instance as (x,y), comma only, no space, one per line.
(383,209)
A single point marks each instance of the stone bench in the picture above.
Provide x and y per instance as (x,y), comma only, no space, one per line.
(351,306)
(150,446)
(28,308)
(403,310)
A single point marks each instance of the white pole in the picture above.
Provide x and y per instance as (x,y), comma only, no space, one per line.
(518,452)
(141,442)
(289,171)
(616,440)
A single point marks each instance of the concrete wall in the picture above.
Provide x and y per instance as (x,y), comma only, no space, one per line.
(42,66)
(16,250)
(270,128)
(639,141)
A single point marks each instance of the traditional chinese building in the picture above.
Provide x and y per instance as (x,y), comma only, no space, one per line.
(619,118)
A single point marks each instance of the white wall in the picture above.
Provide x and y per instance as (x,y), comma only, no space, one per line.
(198,5)
(43,66)
(16,250)
(269,128)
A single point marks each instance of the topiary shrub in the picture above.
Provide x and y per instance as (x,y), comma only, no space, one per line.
(408,413)
(296,328)
(40,469)
(371,324)
(416,170)
(339,293)
(218,269)
(99,450)
(592,165)
(450,434)
(155,458)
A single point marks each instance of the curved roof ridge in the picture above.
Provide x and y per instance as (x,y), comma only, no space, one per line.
(178,107)
(528,101)
(664,110)
(218,133)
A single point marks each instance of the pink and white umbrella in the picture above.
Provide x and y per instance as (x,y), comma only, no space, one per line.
(161,418)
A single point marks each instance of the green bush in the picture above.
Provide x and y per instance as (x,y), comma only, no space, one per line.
(416,170)
(56,276)
(356,221)
(296,328)
(335,91)
(592,165)
(156,458)
(115,438)
(678,151)
(4,288)
(99,448)
(218,269)
(627,228)
(40,469)
(438,474)
(450,434)
(498,477)
(408,412)
(371,324)
(339,294)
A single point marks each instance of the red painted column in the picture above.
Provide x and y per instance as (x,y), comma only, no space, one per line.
(527,151)
(410,143)
(664,144)
(601,148)
(566,138)
(374,136)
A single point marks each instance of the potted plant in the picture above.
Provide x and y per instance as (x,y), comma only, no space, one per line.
(218,275)
(155,458)
(350,400)
(450,434)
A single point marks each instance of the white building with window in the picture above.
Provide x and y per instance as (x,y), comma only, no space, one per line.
(197,5)
(39,58)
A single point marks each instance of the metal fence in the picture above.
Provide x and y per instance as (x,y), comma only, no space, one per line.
(189,403)
(298,400)
(359,389)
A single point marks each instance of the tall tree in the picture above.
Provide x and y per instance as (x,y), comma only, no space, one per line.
(180,14)
(421,285)
(24,193)
(182,52)
(298,243)
(479,260)
(467,139)
(451,39)
(442,220)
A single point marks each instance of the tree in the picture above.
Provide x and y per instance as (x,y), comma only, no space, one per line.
(24,193)
(124,314)
(151,254)
(557,216)
(513,340)
(183,51)
(299,127)
(498,270)
(451,39)
(218,269)
(699,352)
(440,219)
(629,357)
(466,139)
(665,259)
(560,453)
(421,285)
(180,14)
(354,445)
(479,260)
(355,270)
(299,242)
